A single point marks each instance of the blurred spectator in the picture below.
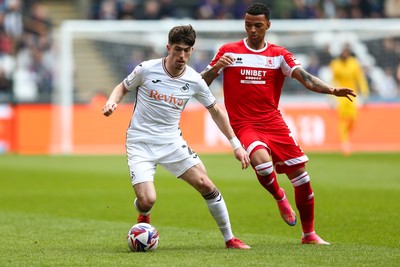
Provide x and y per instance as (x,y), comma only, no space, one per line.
(33,79)
(150,10)
(355,12)
(7,61)
(329,8)
(108,10)
(207,9)
(226,10)
(234,9)
(38,21)
(168,9)
(392,8)
(6,43)
(42,68)
(127,10)
(13,21)
(303,10)
(5,87)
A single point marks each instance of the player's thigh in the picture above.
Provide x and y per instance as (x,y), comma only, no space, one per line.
(255,142)
(178,157)
(347,109)
(142,163)
(197,177)
(184,163)
(287,155)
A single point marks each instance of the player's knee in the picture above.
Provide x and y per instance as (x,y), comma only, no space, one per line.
(204,185)
(302,178)
(145,203)
(264,169)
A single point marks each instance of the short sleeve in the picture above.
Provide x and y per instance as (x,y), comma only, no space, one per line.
(204,95)
(135,78)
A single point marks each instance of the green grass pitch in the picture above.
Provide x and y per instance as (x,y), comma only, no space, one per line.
(76,211)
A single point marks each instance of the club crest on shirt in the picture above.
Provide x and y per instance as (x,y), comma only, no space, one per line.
(185,88)
(269,62)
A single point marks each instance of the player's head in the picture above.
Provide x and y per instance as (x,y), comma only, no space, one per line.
(259,9)
(181,40)
(182,34)
(257,23)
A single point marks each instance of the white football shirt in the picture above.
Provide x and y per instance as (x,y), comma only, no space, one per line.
(160,100)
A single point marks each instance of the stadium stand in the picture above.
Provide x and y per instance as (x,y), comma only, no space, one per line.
(27,50)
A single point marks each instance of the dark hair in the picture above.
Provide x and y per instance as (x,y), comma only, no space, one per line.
(182,34)
(259,9)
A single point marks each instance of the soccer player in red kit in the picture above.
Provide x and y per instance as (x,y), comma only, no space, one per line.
(253,75)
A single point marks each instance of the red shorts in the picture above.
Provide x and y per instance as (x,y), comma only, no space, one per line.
(286,154)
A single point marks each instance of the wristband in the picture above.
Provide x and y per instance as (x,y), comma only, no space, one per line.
(235,143)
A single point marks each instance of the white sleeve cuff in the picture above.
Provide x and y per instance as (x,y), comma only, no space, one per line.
(235,143)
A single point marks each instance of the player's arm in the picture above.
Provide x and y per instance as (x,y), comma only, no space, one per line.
(221,119)
(315,84)
(210,73)
(116,96)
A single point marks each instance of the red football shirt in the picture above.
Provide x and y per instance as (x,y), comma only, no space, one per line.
(253,84)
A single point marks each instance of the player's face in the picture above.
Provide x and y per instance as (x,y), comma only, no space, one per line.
(179,55)
(256,26)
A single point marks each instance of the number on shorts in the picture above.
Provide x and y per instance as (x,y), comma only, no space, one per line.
(190,151)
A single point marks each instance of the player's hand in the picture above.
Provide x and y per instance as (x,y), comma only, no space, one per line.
(344,92)
(242,156)
(109,108)
(225,60)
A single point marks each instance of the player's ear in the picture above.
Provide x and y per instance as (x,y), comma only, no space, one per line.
(168,47)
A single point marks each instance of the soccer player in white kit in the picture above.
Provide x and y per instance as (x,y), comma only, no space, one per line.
(162,88)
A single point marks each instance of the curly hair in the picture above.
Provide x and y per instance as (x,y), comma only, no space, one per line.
(259,9)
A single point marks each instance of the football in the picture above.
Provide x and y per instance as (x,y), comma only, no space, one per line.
(142,237)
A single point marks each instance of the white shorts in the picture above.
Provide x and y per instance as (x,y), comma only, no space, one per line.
(143,158)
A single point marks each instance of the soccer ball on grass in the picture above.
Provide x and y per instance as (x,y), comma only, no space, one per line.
(142,237)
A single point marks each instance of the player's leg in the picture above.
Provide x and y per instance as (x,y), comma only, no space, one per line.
(264,169)
(346,115)
(197,177)
(304,197)
(142,167)
(184,163)
(266,176)
(145,198)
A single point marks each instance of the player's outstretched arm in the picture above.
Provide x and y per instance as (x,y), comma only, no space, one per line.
(221,119)
(317,85)
(116,96)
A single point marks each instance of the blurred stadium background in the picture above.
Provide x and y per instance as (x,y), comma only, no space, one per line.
(60,59)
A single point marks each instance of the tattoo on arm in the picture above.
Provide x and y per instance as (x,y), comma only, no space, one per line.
(313,83)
